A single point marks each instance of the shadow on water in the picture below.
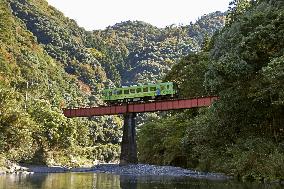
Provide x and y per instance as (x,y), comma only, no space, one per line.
(109,181)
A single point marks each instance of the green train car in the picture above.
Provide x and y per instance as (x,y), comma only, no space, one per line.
(140,92)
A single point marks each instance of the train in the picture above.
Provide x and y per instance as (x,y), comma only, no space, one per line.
(140,92)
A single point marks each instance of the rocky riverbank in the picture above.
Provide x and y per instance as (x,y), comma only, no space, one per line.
(133,170)
(153,170)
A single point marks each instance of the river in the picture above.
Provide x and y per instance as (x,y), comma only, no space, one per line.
(112,181)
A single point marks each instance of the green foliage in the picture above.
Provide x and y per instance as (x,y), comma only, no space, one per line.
(17,127)
(237,8)
(189,75)
(167,148)
(237,72)
(241,134)
(272,82)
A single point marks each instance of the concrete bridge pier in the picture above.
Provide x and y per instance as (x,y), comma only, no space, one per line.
(128,145)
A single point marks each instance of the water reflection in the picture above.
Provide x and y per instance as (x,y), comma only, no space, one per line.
(128,182)
(108,181)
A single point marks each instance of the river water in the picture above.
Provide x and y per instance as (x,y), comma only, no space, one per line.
(111,181)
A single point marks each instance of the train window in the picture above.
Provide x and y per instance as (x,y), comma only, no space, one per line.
(168,86)
(126,91)
(110,93)
(138,90)
(132,90)
(162,87)
(152,88)
(119,92)
(145,89)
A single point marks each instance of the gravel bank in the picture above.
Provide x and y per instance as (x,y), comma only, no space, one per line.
(127,170)
(153,170)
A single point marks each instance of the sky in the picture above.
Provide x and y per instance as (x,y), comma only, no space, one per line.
(99,14)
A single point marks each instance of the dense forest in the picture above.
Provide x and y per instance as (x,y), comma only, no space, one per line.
(242,133)
(48,62)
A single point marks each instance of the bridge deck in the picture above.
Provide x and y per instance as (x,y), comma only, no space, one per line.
(139,107)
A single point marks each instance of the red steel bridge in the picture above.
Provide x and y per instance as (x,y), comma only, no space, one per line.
(128,145)
(139,107)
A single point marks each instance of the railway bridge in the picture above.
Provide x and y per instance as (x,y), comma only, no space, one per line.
(129,111)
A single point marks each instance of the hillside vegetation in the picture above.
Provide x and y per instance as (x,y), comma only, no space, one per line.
(242,133)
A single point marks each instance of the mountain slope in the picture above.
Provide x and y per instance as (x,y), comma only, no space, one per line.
(61,38)
(129,52)
(146,52)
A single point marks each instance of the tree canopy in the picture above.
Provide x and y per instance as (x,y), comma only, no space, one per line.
(241,134)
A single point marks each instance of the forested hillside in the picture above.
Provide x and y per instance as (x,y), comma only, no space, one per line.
(48,62)
(129,52)
(34,88)
(144,53)
(242,134)
(62,39)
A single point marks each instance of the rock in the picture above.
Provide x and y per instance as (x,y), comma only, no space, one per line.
(45,169)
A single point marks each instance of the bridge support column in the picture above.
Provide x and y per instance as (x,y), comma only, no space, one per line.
(128,146)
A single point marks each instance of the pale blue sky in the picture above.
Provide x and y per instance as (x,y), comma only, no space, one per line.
(98,14)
